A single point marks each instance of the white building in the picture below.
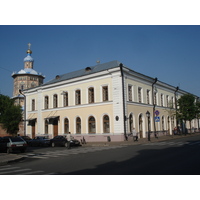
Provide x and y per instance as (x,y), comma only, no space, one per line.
(103,100)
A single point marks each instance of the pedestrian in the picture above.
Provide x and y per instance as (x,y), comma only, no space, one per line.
(135,135)
(175,131)
(69,138)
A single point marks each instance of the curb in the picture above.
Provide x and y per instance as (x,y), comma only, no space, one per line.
(10,160)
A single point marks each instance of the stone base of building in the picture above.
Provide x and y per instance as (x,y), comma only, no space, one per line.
(99,138)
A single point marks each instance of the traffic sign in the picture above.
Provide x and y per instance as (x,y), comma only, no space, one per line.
(157,119)
(157,112)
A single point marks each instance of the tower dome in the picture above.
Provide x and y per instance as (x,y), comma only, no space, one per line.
(29,51)
(28,58)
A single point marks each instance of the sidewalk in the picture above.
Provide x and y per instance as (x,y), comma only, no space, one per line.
(140,140)
(7,158)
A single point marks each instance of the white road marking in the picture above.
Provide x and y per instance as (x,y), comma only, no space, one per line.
(14,171)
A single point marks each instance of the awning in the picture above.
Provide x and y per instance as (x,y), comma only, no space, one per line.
(31,121)
(52,118)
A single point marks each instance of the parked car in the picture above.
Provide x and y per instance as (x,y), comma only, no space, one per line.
(3,145)
(61,140)
(14,143)
(40,141)
(27,139)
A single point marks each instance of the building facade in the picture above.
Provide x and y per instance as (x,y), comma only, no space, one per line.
(102,103)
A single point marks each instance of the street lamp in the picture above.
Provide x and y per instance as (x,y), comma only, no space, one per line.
(148,122)
(175,95)
(20,91)
(154,105)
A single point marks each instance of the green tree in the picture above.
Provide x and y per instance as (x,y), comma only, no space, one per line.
(198,110)
(10,114)
(187,110)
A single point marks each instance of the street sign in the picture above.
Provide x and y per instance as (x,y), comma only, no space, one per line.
(157,119)
(157,112)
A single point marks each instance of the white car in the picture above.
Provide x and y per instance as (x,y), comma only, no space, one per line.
(15,143)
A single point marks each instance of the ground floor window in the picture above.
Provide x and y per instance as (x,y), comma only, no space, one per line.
(92,125)
(106,124)
(131,123)
(66,126)
(78,125)
(46,127)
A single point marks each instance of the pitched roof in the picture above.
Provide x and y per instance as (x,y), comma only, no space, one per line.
(83,72)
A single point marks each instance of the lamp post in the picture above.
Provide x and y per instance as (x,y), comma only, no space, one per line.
(154,105)
(20,91)
(148,122)
(175,96)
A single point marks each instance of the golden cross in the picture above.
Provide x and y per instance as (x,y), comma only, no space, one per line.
(29,45)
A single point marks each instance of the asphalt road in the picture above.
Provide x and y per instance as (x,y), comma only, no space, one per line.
(173,157)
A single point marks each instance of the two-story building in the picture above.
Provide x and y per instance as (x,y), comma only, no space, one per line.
(102,102)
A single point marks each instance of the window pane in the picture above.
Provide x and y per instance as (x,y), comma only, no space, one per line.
(78,125)
(78,97)
(66,126)
(65,99)
(92,125)
(105,93)
(106,124)
(55,101)
(91,95)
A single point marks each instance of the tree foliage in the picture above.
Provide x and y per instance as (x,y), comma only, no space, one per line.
(187,109)
(10,114)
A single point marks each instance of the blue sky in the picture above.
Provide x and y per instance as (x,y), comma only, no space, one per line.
(170,53)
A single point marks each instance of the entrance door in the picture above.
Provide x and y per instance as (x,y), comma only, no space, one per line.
(55,127)
(33,129)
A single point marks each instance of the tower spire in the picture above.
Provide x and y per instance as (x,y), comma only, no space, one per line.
(29,52)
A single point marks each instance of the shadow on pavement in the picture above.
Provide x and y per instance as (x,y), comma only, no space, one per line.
(182,160)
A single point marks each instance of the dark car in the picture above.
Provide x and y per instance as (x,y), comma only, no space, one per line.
(3,145)
(27,139)
(61,140)
(14,144)
(40,141)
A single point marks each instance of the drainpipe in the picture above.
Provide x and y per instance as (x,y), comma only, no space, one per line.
(154,105)
(20,91)
(123,101)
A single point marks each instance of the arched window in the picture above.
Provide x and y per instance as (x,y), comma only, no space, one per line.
(91,125)
(163,124)
(140,126)
(22,86)
(168,124)
(46,127)
(33,85)
(66,126)
(55,100)
(78,97)
(78,125)
(106,124)
(46,102)
(131,122)
(91,95)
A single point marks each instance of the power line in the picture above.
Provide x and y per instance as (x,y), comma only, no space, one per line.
(5,69)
